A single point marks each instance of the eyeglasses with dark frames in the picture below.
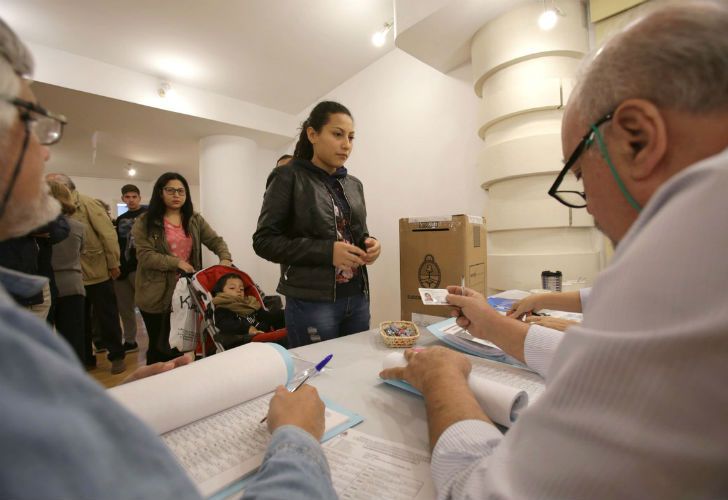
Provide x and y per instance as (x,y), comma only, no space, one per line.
(576,199)
(172,191)
(45,125)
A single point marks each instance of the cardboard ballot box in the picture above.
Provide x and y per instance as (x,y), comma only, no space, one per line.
(435,252)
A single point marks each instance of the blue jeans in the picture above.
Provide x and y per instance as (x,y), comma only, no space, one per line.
(308,322)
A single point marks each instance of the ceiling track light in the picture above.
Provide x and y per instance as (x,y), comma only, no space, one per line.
(550,16)
(380,37)
(130,170)
(165,89)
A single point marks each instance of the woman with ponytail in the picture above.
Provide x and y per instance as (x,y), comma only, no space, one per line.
(313,223)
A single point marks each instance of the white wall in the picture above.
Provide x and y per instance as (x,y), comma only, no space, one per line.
(415,151)
(243,210)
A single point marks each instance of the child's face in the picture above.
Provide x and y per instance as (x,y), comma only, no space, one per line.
(234,286)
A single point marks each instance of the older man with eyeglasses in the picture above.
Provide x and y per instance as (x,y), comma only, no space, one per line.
(61,436)
(635,403)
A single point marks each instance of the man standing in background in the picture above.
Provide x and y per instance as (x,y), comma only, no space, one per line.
(124,284)
(284,160)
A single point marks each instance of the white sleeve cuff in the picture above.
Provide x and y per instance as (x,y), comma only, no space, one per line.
(540,346)
(458,451)
(584,297)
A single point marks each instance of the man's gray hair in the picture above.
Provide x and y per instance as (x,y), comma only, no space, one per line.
(62,179)
(15,61)
(675,57)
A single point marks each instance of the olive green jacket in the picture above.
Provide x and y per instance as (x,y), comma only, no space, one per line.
(100,250)
(157,270)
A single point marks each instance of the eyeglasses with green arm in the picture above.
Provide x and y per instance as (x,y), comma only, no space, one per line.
(577,199)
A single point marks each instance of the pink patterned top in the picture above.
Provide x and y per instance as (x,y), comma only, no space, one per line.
(179,243)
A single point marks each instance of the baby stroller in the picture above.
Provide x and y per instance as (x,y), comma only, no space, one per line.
(200,284)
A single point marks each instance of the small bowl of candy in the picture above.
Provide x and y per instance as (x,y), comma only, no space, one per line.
(399,333)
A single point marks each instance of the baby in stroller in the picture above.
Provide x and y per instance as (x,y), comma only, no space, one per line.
(240,317)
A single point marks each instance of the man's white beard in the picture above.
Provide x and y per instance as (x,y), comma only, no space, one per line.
(23,216)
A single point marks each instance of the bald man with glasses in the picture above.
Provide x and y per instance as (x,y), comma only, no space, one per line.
(635,404)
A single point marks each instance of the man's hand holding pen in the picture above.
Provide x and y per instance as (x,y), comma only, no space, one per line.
(302,408)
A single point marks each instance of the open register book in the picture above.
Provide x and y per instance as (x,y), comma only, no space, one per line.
(502,390)
(208,412)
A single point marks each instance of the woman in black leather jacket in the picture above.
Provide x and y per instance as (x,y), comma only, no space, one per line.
(313,223)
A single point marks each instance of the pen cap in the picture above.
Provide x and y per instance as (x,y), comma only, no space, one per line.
(323,362)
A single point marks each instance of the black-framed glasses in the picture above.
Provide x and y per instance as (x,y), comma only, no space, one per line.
(572,198)
(171,191)
(45,125)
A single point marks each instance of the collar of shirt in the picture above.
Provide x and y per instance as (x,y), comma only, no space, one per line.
(20,284)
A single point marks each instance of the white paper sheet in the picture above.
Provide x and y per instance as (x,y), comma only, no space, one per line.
(229,445)
(366,467)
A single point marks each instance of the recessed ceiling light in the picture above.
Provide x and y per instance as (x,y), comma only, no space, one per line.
(550,15)
(547,19)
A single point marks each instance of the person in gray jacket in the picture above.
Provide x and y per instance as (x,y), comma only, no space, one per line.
(68,310)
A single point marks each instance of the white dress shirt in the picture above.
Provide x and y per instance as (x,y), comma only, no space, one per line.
(636,404)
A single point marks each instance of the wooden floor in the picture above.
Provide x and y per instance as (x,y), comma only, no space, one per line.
(102,372)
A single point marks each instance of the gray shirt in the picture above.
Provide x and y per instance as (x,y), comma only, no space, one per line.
(635,404)
(61,436)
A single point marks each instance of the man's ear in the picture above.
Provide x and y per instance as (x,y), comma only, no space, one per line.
(639,128)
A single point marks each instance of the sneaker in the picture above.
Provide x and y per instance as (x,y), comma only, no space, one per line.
(118,366)
(99,348)
(131,347)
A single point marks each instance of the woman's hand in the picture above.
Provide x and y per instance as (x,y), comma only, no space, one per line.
(526,306)
(348,255)
(254,331)
(157,368)
(226,262)
(549,322)
(185,266)
(374,248)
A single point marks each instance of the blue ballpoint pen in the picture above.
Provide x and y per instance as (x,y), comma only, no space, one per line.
(316,370)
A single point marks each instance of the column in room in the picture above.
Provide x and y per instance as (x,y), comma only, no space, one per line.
(524,76)
(226,166)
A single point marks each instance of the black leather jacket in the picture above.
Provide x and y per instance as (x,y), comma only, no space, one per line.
(297,229)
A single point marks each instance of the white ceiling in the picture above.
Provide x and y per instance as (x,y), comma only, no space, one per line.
(103,135)
(280,54)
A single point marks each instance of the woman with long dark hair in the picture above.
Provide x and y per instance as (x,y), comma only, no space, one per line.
(313,223)
(168,239)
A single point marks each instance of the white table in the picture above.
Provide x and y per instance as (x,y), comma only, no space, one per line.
(352,380)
